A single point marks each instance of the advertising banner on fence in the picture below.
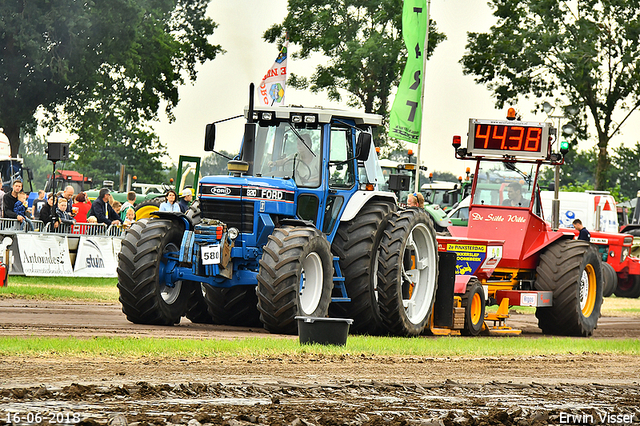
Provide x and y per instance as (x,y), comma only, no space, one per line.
(44,255)
(95,258)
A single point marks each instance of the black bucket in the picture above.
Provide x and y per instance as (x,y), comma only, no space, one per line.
(323,331)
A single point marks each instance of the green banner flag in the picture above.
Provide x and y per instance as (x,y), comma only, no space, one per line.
(406,114)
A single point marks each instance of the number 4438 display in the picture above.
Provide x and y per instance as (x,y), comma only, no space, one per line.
(512,138)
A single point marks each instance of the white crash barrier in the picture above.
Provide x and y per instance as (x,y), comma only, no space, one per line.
(80,249)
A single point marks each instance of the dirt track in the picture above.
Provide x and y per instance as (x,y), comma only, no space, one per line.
(301,390)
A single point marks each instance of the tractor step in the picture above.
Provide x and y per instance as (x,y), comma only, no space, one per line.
(338,283)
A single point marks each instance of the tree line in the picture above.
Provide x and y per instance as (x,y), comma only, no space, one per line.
(102,70)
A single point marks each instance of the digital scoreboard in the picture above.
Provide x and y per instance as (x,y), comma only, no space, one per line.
(505,137)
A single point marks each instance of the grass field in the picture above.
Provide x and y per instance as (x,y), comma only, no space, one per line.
(273,346)
(105,290)
(62,288)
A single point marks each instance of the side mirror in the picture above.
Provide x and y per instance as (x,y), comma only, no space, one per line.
(209,137)
(363,146)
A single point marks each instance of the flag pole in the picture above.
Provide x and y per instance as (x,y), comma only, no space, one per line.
(416,188)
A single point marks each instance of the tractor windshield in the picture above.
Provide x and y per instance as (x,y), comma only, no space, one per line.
(288,150)
(498,185)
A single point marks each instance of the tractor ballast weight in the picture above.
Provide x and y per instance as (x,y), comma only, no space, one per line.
(547,269)
(299,227)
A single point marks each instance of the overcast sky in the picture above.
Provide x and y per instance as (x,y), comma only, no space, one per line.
(222,87)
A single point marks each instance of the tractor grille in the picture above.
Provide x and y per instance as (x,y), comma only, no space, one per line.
(234,214)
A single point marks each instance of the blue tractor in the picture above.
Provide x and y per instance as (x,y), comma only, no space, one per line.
(298,227)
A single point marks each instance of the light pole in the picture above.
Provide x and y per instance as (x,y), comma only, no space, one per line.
(567,129)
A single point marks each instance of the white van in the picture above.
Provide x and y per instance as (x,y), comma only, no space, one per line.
(583,206)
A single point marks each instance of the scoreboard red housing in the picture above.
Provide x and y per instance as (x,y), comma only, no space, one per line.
(501,138)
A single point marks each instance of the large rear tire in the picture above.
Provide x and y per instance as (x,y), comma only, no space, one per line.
(356,244)
(143,262)
(473,303)
(295,278)
(573,271)
(144,209)
(629,288)
(407,272)
(610,279)
(235,305)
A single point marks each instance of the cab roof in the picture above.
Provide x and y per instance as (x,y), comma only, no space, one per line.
(325,115)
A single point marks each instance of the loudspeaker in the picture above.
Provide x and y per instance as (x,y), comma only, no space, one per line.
(399,182)
(57,151)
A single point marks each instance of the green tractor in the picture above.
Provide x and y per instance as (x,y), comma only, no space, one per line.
(399,178)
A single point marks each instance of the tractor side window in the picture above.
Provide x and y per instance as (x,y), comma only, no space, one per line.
(331,211)
(308,207)
(341,169)
(462,213)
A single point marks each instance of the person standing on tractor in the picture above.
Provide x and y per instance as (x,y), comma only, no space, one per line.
(584,234)
(185,199)
(514,192)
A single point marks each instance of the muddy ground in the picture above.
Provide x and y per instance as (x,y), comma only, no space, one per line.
(348,389)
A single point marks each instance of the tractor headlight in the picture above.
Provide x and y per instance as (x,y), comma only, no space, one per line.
(233,233)
(625,253)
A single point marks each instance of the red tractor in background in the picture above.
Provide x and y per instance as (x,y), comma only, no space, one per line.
(65,178)
(549,270)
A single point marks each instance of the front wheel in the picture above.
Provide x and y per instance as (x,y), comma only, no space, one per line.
(473,303)
(572,270)
(148,254)
(407,272)
(295,278)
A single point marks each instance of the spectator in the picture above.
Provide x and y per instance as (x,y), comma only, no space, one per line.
(583,234)
(117,206)
(3,190)
(130,216)
(68,195)
(416,200)
(81,207)
(185,199)
(21,210)
(171,204)
(38,204)
(47,210)
(9,201)
(131,200)
(102,210)
(64,216)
